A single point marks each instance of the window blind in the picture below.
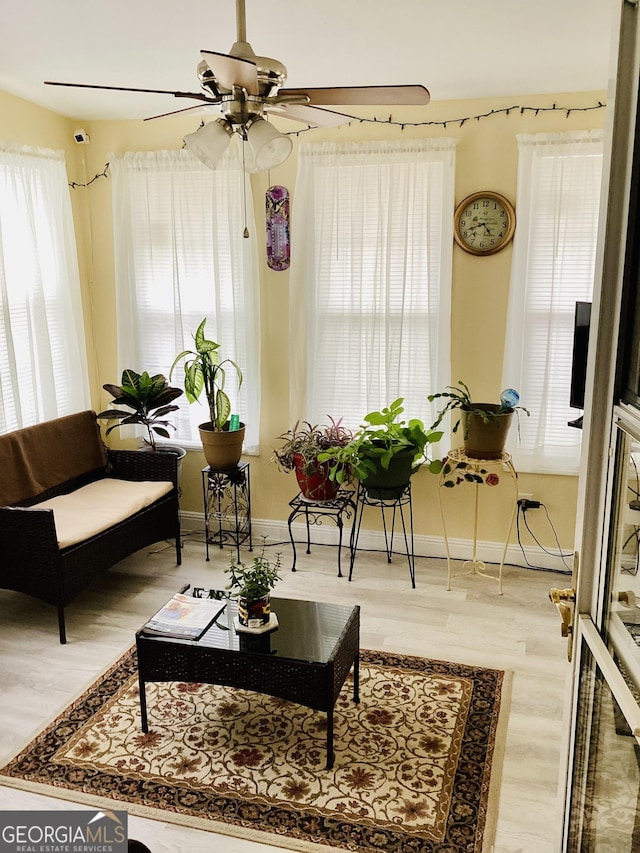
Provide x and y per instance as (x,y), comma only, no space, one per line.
(558,205)
(181,256)
(371,277)
(43,366)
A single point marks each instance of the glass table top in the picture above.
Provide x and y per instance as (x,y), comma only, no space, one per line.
(307,630)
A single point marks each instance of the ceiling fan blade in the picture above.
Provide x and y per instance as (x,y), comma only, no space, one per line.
(363,95)
(195,110)
(197,95)
(311,115)
(230,71)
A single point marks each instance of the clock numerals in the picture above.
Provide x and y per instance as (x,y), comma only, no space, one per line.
(484,223)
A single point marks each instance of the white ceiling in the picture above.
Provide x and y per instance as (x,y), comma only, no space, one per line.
(456,48)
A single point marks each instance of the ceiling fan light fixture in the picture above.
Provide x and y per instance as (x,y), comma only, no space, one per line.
(210,141)
(270,148)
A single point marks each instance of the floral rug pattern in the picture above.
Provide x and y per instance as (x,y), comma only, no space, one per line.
(412,759)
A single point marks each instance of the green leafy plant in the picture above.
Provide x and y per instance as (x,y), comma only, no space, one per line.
(459,397)
(308,441)
(255,580)
(205,371)
(382,436)
(150,398)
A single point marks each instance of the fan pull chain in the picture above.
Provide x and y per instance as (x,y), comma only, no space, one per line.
(245,233)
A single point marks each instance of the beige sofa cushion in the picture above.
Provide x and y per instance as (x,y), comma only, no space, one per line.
(98,506)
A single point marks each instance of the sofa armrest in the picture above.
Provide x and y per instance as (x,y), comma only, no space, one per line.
(28,547)
(143,465)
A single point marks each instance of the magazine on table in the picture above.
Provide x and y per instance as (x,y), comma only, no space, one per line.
(185,617)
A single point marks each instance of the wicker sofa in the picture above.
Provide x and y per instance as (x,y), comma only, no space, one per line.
(70,508)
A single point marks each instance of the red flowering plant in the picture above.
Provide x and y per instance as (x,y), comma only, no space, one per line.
(454,473)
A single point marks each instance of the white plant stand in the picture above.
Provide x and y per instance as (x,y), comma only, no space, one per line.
(455,458)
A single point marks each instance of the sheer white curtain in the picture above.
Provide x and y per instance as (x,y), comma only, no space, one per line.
(43,363)
(558,200)
(181,256)
(371,277)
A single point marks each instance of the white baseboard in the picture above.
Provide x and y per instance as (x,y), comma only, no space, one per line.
(373,540)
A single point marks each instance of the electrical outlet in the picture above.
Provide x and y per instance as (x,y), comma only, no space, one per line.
(528,503)
(525,496)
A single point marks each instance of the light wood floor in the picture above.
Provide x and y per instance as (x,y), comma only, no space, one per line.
(519,631)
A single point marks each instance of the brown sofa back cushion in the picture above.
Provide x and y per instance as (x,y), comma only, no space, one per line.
(42,456)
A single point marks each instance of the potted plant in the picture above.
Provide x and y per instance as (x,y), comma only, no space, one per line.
(485,425)
(204,370)
(384,453)
(149,399)
(252,585)
(299,452)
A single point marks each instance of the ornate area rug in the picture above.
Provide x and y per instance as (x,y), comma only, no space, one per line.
(416,768)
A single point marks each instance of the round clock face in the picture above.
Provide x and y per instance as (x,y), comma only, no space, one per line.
(484,223)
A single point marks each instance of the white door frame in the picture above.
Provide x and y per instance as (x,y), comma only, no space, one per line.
(595,482)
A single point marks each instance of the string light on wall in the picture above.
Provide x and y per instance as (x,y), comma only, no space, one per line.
(444,123)
(460,122)
(74,184)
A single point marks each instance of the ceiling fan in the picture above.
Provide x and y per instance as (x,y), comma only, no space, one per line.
(244,88)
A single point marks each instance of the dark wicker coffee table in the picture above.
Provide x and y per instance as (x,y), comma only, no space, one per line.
(306,660)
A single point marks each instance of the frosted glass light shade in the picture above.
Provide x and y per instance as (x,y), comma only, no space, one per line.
(270,148)
(209,142)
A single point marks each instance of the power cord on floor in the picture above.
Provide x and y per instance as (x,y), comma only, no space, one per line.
(523,506)
(170,544)
(632,570)
(277,544)
(198,536)
(634,504)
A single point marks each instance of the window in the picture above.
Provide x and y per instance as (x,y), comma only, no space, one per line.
(372,243)
(43,364)
(181,256)
(553,267)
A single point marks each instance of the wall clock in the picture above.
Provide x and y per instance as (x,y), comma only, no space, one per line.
(484,223)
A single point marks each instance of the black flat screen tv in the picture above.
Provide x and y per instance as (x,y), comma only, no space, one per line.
(582,321)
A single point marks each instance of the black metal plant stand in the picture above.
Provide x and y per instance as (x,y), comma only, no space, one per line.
(314,511)
(396,504)
(227,507)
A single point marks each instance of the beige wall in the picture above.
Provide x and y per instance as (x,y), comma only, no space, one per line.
(486,158)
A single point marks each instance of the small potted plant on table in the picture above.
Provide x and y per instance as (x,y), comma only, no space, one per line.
(299,452)
(252,585)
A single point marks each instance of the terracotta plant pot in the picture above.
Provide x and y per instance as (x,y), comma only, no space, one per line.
(315,484)
(486,440)
(254,614)
(222,448)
